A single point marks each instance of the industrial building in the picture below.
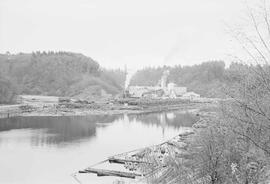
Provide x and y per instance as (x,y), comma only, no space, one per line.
(162,89)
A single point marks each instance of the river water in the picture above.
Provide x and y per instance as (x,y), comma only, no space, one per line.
(49,149)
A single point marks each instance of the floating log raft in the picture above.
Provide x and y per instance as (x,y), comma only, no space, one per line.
(147,161)
(103,172)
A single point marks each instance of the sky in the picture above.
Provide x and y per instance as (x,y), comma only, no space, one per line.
(116,33)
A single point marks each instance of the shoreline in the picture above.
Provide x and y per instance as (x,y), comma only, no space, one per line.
(108,107)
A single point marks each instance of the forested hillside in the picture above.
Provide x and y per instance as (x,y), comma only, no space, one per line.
(72,74)
(56,73)
(207,79)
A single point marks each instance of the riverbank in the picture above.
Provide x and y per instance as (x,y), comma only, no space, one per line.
(54,106)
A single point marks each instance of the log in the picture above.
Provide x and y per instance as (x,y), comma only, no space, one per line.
(123,161)
(185,134)
(103,172)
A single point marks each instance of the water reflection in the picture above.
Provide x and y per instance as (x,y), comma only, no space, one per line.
(57,130)
(171,119)
(175,119)
(61,130)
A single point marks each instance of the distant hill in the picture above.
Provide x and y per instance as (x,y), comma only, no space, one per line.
(56,73)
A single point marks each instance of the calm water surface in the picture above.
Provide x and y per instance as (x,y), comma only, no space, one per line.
(49,149)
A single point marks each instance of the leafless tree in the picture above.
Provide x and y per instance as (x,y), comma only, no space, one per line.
(250,106)
(248,113)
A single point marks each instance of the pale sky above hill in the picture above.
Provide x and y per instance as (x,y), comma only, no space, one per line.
(117,32)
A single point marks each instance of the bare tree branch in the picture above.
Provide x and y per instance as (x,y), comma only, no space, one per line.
(258,32)
(266,18)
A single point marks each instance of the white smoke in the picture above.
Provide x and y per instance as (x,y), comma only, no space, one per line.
(164,78)
(128,77)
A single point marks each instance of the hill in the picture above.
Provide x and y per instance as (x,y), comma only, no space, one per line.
(56,73)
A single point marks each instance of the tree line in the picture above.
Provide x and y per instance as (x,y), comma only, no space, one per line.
(208,78)
(55,73)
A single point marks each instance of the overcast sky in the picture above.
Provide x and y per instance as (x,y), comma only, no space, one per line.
(117,32)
